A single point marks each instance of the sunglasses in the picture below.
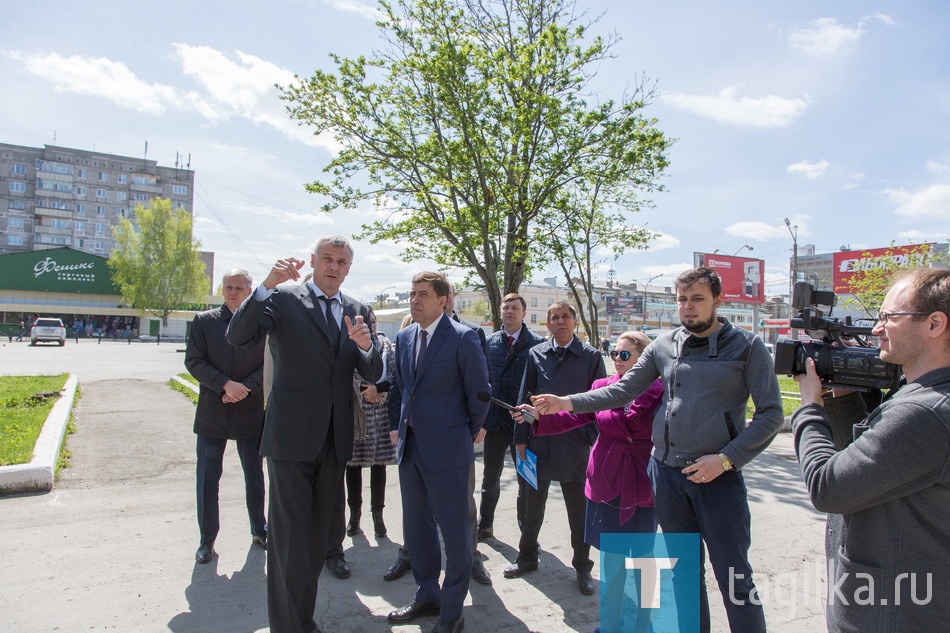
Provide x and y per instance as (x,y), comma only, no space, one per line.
(624,355)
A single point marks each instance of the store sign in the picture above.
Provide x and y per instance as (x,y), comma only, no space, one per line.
(56,270)
(847,264)
(743,279)
(626,306)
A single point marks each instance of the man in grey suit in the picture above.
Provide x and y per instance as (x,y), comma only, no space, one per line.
(440,370)
(318,337)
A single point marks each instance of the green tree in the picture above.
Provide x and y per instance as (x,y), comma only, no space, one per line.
(468,128)
(156,262)
(870,282)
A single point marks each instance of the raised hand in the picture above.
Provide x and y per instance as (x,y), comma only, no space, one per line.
(359,332)
(284,270)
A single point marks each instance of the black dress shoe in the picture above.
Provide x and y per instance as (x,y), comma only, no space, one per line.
(520,568)
(205,553)
(480,574)
(259,540)
(414,610)
(484,533)
(585,583)
(444,626)
(397,569)
(338,567)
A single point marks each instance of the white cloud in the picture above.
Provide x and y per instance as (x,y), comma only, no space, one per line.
(917,237)
(664,241)
(826,38)
(932,202)
(762,231)
(353,6)
(770,111)
(810,171)
(938,167)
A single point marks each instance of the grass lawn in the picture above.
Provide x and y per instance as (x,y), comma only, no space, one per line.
(183,389)
(21,418)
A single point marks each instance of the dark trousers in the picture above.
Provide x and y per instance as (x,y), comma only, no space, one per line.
(576,504)
(302,497)
(353,497)
(497,443)
(719,512)
(428,496)
(210,453)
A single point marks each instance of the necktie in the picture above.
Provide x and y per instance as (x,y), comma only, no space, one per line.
(422,347)
(511,340)
(559,352)
(331,320)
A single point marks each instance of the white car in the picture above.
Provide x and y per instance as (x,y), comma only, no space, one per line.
(47,330)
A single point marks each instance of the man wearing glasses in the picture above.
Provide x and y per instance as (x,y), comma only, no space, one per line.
(889,565)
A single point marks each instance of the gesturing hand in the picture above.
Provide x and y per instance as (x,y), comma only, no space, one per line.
(359,332)
(284,270)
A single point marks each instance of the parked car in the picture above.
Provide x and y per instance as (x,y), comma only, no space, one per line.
(47,330)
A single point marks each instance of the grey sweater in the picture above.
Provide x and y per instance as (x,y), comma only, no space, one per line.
(706,385)
(892,486)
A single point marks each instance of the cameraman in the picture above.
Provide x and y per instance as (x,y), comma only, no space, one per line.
(889,569)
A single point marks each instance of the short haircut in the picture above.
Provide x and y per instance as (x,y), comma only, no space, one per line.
(335,240)
(438,281)
(238,272)
(706,276)
(638,339)
(931,289)
(559,305)
(514,296)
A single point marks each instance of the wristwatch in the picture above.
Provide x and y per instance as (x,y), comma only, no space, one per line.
(726,462)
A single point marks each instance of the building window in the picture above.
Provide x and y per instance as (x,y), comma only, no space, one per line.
(80,190)
(534,302)
(59,224)
(80,243)
(534,319)
(15,223)
(144,180)
(98,245)
(17,187)
(103,176)
(180,190)
(81,173)
(181,205)
(15,240)
(121,195)
(80,227)
(53,167)
(140,196)
(120,213)
(101,194)
(122,179)
(100,210)
(17,203)
(80,208)
(100,228)
(17,170)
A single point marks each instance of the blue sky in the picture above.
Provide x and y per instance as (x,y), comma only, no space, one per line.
(834,115)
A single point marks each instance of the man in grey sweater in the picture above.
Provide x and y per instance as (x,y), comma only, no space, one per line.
(701,440)
(889,562)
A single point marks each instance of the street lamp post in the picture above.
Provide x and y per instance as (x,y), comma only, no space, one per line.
(793,231)
(643,323)
(744,246)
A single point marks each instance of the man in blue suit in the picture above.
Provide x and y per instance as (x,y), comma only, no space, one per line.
(440,369)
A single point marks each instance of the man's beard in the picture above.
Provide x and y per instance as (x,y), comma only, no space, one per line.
(697,328)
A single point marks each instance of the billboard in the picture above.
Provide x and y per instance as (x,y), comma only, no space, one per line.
(627,306)
(743,278)
(56,270)
(847,264)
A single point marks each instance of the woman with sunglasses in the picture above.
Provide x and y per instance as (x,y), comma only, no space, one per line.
(617,489)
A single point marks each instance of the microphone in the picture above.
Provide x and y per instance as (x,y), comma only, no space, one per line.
(484,396)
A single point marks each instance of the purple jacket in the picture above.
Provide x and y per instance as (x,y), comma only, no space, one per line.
(618,460)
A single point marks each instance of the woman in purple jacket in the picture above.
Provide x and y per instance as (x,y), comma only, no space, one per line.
(618,489)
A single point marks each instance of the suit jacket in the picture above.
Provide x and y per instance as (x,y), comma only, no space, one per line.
(313,376)
(213,362)
(441,396)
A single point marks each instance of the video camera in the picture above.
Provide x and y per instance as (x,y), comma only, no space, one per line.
(856,366)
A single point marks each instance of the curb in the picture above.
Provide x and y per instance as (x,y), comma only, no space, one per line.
(40,473)
(182,381)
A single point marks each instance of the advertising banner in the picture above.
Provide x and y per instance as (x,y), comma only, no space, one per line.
(743,279)
(627,306)
(849,263)
(56,270)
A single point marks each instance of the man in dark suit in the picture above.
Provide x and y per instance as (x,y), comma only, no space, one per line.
(440,369)
(318,337)
(560,366)
(230,406)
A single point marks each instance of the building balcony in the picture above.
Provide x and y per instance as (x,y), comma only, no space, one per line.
(53,213)
(154,189)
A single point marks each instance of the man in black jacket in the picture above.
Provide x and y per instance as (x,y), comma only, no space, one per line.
(230,406)
(507,356)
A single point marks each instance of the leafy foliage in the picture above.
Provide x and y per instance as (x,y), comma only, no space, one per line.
(22,417)
(157,266)
(470,130)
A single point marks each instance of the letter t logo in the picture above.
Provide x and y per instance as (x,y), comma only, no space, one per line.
(650,578)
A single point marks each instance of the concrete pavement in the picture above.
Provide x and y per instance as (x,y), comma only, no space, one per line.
(111,548)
